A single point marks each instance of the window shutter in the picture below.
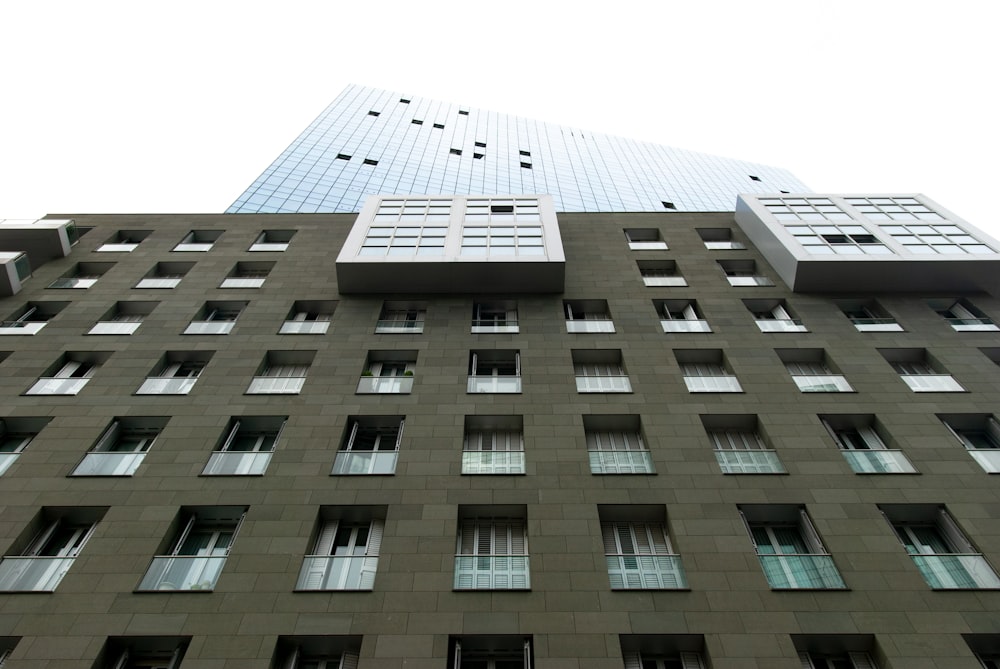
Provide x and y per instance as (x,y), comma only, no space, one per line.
(632,660)
(349,660)
(399,434)
(231,436)
(38,543)
(746,525)
(689,312)
(807,663)
(318,569)
(517,363)
(871,438)
(569,312)
(993,429)
(809,533)
(109,438)
(277,435)
(192,519)
(861,661)
(458,655)
(83,540)
(324,538)
(953,535)
(963,440)
(475,364)
(780,313)
(690,660)
(527,654)
(122,660)
(351,436)
(175,659)
(369,563)
(292,661)
(236,531)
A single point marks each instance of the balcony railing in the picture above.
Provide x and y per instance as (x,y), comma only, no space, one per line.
(956,571)
(495,327)
(724,245)
(120,247)
(822,383)
(74,282)
(664,281)
(492,572)
(167,385)
(209,327)
(603,384)
(237,463)
(801,572)
(159,282)
(685,326)
(648,246)
(932,383)
(57,386)
(114,328)
(33,574)
(20,327)
(988,459)
(269,246)
(6,460)
(109,464)
(492,462)
(645,572)
(276,385)
(876,325)
(194,246)
(364,462)
(399,327)
(382,385)
(304,327)
(328,572)
(749,281)
(590,326)
(242,282)
(620,462)
(749,462)
(494,384)
(878,462)
(972,325)
(713,384)
(780,325)
(183,572)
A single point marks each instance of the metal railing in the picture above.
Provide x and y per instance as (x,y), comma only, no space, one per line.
(988,459)
(956,571)
(399,327)
(664,281)
(932,383)
(304,327)
(749,462)
(20,327)
(685,326)
(822,383)
(32,573)
(780,325)
(749,281)
(590,326)
(803,571)
(109,464)
(167,385)
(242,282)
(56,386)
(973,325)
(878,462)
(494,384)
(209,327)
(276,385)
(645,572)
(876,325)
(74,282)
(365,462)
(713,384)
(385,385)
(495,327)
(620,462)
(492,462)
(183,572)
(603,384)
(237,463)
(114,328)
(159,282)
(492,572)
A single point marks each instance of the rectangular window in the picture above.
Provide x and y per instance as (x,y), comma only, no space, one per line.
(31,318)
(272,241)
(865,451)
(370,445)
(344,554)
(811,371)
(494,371)
(281,373)
(388,372)
(739,446)
(678,316)
(638,552)
(773,316)
(789,548)
(645,239)
(495,318)
(705,371)
(490,652)
(963,316)
(121,448)
(317,652)
(980,435)
(588,316)
(15,435)
(198,241)
(309,317)
(246,446)
(919,371)
(176,373)
(123,319)
(743,273)
(492,551)
(660,274)
(83,275)
(615,445)
(69,375)
(869,316)
(154,652)
(719,239)
(401,318)
(247,275)
(216,318)
(123,241)
(47,549)
(165,275)
(600,371)
(493,445)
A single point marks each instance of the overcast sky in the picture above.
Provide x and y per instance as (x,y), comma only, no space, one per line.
(145,107)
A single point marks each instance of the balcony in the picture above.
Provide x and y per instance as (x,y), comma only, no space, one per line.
(647,246)
(822,383)
(493,462)
(304,327)
(241,281)
(590,326)
(235,463)
(685,326)
(399,327)
(364,462)
(492,572)
(955,571)
(988,459)
(724,245)
(878,462)
(494,384)
(159,282)
(33,574)
(749,281)
(276,385)
(495,327)
(328,572)
(932,383)
(972,325)
(749,462)
(801,572)
(620,462)
(183,572)
(645,572)
(713,384)
(603,384)
(209,327)
(876,325)
(194,247)
(664,281)
(57,386)
(109,464)
(118,247)
(74,282)
(385,385)
(20,327)
(780,325)
(167,385)
(114,328)
(269,247)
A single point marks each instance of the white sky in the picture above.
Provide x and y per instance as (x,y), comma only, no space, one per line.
(149,107)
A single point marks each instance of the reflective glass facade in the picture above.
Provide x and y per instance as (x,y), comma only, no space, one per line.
(370,142)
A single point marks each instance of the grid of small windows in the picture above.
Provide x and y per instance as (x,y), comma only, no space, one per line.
(893,208)
(407,227)
(841,239)
(502,227)
(804,209)
(937,238)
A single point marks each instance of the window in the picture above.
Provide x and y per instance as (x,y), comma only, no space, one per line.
(124,318)
(246,446)
(677,316)
(645,239)
(637,549)
(343,156)
(153,652)
(789,548)
(662,651)
(438,126)
(45,551)
(828,239)
(493,445)
(281,373)
(773,316)
(455,152)
(402,318)
(15,435)
(496,317)
(980,435)
(963,316)
(370,445)
(941,551)
(83,275)
(7,645)
(794,209)
(600,371)
(588,316)
(123,241)
(864,449)
(868,316)
(615,445)
(502,227)
(494,371)
(743,273)
(215,318)
(919,371)
(317,652)
(175,373)
(369,161)
(345,550)
(986,647)
(719,239)
(660,274)
(738,445)
(492,551)
(811,370)
(69,374)
(273,241)
(490,652)
(121,448)
(388,372)
(668,205)
(165,275)
(408,227)
(198,241)
(373,113)
(31,318)
(833,651)
(247,275)
(309,317)
(198,551)
(920,229)
(705,371)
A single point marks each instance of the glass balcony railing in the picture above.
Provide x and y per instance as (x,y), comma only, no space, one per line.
(32,573)
(492,572)
(724,245)
(57,386)
(749,281)
(493,462)
(159,282)
(304,327)
(20,327)
(590,327)
(876,325)
(955,571)
(276,385)
(648,246)
(109,464)
(119,247)
(274,247)
(685,326)
(74,282)
(664,281)
(196,247)
(712,384)
(242,282)
(972,325)
(749,462)
(878,462)
(603,384)
(330,572)
(209,327)
(801,572)
(780,325)
(495,327)
(183,572)
(237,463)
(988,459)
(932,383)
(6,460)
(822,383)
(399,327)
(114,328)
(22,267)
(380,385)
(620,462)
(364,462)
(645,572)
(167,385)
(494,384)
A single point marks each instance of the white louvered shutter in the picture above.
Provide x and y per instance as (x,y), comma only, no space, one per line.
(690,660)
(809,533)
(318,569)
(292,661)
(109,438)
(349,660)
(632,660)
(369,563)
(806,662)
(862,661)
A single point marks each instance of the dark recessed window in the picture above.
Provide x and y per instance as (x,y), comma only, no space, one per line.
(478,155)
(416,122)
(343,156)
(784,191)
(373,113)
(525,153)
(502,208)
(455,152)
(462,112)
(439,126)
(668,205)
(864,239)
(369,161)
(526,166)
(753,178)
(836,239)
(404,101)
(481,145)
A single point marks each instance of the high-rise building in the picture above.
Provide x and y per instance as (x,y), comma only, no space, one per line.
(468,431)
